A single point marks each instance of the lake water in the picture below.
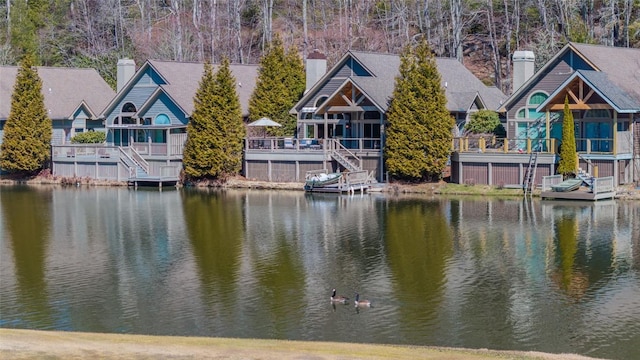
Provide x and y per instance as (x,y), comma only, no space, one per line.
(462,272)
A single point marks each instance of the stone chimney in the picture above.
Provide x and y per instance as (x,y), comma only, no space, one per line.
(316,68)
(126,70)
(523,68)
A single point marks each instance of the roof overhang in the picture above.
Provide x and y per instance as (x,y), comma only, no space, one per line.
(555,101)
(154,97)
(518,92)
(338,102)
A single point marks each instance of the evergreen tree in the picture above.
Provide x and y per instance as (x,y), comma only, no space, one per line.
(280,84)
(568,161)
(485,122)
(419,125)
(27,18)
(26,145)
(216,131)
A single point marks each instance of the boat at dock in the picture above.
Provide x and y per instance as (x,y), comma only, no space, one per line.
(567,185)
(344,182)
(320,180)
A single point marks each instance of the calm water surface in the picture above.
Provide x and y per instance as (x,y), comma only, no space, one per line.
(464,272)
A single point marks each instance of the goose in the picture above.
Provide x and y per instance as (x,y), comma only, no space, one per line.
(362,303)
(338,298)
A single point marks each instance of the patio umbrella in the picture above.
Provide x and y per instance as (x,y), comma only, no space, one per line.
(264,123)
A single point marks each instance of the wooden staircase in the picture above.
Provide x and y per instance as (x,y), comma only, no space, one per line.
(138,167)
(344,156)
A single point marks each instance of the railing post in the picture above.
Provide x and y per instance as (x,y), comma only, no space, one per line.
(588,146)
(505,147)
(528,146)
(553,146)
(466,144)
(481,142)
(595,171)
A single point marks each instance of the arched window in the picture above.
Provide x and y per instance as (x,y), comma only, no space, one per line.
(161,119)
(320,100)
(128,108)
(529,111)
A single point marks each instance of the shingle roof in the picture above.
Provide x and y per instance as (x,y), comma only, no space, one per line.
(457,80)
(184,79)
(64,89)
(622,65)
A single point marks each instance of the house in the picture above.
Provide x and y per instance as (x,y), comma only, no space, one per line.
(342,115)
(146,122)
(603,87)
(73,98)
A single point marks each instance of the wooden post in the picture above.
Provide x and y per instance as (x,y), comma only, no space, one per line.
(481,142)
(528,146)
(595,171)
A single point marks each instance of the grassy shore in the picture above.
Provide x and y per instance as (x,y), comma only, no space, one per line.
(33,344)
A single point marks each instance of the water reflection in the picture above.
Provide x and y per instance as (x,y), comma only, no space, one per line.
(26,218)
(470,272)
(417,260)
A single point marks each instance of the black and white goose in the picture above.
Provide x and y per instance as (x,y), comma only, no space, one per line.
(338,298)
(362,303)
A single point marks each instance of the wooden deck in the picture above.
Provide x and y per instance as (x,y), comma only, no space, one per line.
(153,181)
(603,188)
(580,194)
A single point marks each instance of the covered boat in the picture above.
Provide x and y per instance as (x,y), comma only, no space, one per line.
(321,180)
(567,185)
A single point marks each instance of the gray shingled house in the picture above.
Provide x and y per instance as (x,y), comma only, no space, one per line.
(341,117)
(603,87)
(146,122)
(73,98)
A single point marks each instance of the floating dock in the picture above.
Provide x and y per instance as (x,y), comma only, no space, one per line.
(601,189)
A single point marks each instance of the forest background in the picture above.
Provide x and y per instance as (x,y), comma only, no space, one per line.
(483,34)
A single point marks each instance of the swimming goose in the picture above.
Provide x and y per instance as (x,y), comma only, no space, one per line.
(362,303)
(338,298)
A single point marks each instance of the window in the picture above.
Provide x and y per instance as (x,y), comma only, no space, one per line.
(529,111)
(128,108)
(162,119)
(320,100)
(597,114)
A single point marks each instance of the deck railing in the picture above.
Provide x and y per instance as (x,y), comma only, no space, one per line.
(293,144)
(549,145)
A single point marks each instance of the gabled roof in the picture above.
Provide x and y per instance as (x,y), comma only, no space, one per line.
(599,81)
(64,90)
(457,80)
(182,80)
(622,65)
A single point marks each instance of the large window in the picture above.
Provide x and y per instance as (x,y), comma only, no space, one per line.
(529,111)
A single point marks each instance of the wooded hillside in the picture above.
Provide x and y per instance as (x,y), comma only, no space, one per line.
(481,33)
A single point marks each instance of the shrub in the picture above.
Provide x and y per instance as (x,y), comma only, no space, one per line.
(89,137)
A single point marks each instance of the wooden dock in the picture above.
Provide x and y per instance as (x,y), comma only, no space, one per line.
(351,182)
(601,189)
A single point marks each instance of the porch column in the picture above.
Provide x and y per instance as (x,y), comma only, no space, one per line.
(548,123)
(615,132)
(168,137)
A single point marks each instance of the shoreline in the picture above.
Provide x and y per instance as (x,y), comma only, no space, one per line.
(624,192)
(36,344)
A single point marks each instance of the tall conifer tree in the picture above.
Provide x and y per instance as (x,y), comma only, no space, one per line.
(26,145)
(568,162)
(419,127)
(280,84)
(216,131)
